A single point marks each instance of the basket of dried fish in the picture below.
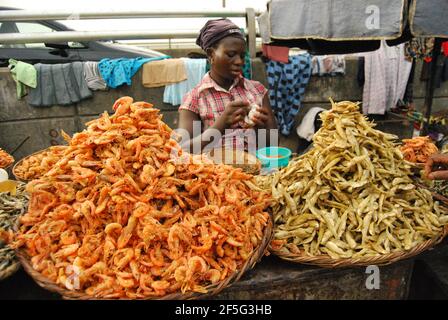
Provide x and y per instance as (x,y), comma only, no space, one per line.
(126,214)
(351,200)
(37,164)
(12,204)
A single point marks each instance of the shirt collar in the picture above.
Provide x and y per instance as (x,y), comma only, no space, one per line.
(207,83)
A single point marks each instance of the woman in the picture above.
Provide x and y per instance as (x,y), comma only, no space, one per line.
(436,168)
(220,102)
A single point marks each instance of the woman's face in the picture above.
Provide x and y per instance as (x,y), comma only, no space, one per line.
(227,59)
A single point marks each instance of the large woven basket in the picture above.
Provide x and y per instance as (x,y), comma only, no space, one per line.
(326,261)
(213,289)
(8,271)
(291,253)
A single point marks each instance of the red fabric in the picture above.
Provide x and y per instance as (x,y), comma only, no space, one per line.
(445,48)
(276,53)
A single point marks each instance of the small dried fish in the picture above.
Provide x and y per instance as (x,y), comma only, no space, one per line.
(351,195)
(11,207)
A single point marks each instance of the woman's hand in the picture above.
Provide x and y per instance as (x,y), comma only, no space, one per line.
(233,114)
(436,168)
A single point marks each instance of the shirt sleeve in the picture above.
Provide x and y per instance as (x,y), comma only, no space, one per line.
(259,88)
(190,102)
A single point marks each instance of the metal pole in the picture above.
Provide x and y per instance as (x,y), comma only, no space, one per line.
(430,86)
(251,32)
(31,15)
(61,36)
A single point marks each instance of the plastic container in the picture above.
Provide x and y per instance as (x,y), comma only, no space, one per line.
(274,157)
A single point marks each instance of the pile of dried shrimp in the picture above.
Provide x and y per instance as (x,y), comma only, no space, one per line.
(36,165)
(5,158)
(418,149)
(351,195)
(128,214)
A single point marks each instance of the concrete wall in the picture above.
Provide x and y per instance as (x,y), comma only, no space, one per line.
(37,128)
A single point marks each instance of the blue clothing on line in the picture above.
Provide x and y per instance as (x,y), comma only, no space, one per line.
(287,83)
(195,69)
(119,71)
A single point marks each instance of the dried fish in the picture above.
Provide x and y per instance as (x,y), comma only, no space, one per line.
(352,193)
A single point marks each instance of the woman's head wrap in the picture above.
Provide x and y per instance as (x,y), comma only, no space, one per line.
(215,30)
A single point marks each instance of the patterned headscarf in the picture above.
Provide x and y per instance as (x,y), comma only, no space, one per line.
(215,30)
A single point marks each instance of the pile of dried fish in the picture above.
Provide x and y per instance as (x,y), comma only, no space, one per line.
(11,207)
(351,195)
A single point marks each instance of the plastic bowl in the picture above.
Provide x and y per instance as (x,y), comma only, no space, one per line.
(274,157)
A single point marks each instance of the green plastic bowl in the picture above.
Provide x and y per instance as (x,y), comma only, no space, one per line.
(274,157)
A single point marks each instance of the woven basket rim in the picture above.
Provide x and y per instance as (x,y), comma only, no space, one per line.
(9,271)
(326,261)
(212,289)
(18,163)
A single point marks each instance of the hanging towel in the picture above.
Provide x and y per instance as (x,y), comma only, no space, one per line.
(195,69)
(276,53)
(59,84)
(287,83)
(386,72)
(306,128)
(330,65)
(120,71)
(24,74)
(93,76)
(161,73)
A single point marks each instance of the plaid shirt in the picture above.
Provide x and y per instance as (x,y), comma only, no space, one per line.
(208,100)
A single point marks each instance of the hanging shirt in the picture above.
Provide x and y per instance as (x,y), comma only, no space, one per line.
(117,72)
(93,76)
(160,73)
(208,100)
(287,83)
(24,74)
(386,72)
(59,84)
(195,69)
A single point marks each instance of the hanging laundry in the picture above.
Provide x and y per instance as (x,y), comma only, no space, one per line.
(306,129)
(161,73)
(59,84)
(24,74)
(386,72)
(287,83)
(117,72)
(93,76)
(276,53)
(330,65)
(195,69)
(419,48)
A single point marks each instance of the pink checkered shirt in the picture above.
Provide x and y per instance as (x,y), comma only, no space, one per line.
(208,100)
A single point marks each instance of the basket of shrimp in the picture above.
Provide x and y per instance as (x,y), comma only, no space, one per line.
(351,200)
(37,164)
(13,203)
(417,151)
(126,214)
(6,160)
